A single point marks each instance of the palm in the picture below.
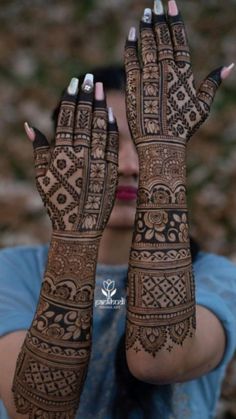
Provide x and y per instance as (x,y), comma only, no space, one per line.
(77,178)
(160,94)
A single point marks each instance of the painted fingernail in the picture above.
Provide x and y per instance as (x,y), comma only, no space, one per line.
(72,89)
(147,16)
(99,91)
(111,117)
(132,34)
(29,131)
(172,8)
(158,7)
(225,72)
(87,85)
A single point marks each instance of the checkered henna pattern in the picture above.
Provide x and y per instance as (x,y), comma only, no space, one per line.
(76,179)
(164,109)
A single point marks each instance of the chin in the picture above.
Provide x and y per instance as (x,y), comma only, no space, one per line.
(122,215)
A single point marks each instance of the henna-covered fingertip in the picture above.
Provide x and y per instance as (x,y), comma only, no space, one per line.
(40,139)
(215,76)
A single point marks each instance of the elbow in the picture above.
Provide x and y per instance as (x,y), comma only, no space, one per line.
(161,373)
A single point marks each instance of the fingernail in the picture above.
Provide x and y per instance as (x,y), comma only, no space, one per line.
(172,8)
(87,85)
(225,72)
(72,89)
(132,34)
(147,16)
(158,7)
(99,91)
(111,117)
(29,131)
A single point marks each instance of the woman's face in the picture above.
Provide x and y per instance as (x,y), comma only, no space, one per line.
(123,212)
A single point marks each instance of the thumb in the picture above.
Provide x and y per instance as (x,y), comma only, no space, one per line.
(41,149)
(209,87)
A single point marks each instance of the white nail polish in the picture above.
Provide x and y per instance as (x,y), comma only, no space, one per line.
(73,86)
(88,83)
(147,16)
(158,7)
(110,115)
(132,34)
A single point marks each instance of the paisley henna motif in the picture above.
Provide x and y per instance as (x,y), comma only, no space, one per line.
(163,110)
(77,180)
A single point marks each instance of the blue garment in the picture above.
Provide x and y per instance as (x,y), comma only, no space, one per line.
(21,273)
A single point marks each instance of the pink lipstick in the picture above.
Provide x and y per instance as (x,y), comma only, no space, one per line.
(126,193)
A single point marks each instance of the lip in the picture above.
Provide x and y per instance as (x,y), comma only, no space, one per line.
(126,193)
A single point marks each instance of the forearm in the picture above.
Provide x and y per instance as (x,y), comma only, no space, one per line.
(161,306)
(53,361)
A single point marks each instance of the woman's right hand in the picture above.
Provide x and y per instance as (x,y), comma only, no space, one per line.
(77,176)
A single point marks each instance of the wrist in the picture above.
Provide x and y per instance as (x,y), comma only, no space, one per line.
(71,268)
(162,167)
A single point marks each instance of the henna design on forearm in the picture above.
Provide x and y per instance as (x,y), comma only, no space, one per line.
(163,110)
(77,180)
(52,365)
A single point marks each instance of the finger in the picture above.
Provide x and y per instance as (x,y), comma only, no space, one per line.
(178,34)
(133,75)
(208,89)
(131,59)
(84,113)
(99,125)
(66,117)
(97,167)
(112,149)
(112,166)
(147,38)
(41,153)
(162,33)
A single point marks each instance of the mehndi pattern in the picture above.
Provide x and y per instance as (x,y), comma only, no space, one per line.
(164,109)
(77,180)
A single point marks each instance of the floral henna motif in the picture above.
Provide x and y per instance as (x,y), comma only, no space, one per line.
(163,110)
(161,97)
(52,365)
(77,180)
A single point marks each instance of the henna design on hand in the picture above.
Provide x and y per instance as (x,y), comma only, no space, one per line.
(163,110)
(77,180)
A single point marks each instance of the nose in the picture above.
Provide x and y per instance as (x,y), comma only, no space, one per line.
(128,158)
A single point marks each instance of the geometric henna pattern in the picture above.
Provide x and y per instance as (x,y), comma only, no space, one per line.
(163,111)
(161,98)
(77,180)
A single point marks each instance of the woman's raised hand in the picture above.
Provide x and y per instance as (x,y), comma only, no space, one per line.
(77,176)
(162,100)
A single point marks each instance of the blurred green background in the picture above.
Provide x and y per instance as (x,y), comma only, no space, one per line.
(44,43)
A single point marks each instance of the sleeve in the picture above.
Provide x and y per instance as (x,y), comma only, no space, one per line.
(21,273)
(216,290)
